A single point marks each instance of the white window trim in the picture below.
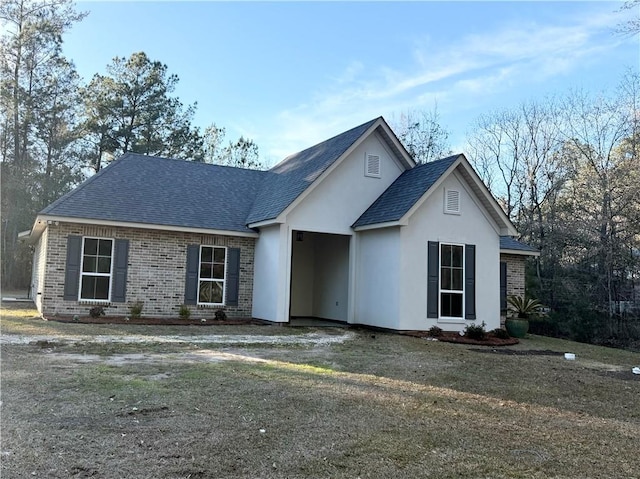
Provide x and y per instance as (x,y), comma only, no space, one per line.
(448,211)
(366,166)
(82,273)
(451,319)
(224,280)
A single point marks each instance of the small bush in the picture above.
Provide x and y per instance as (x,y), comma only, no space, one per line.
(185,312)
(135,309)
(435,331)
(475,331)
(220,315)
(500,333)
(96,311)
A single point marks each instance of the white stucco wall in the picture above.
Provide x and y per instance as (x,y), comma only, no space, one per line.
(268,283)
(331,286)
(302,282)
(377,278)
(339,200)
(471,226)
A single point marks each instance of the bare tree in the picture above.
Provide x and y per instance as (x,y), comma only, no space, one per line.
(422,135)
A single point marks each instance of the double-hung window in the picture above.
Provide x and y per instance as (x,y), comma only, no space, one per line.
(211,277)
(96,271)
(452,281)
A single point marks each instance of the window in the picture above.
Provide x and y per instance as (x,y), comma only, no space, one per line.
(96,272)
(451,281)
(211,276)
(372,166)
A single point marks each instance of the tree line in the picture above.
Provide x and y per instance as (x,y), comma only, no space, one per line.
(566,170)
(55,130)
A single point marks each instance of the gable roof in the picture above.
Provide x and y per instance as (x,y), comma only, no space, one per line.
(161,191)
(295,174)
(513,246)
(156,191)
(404,192)
(411,188)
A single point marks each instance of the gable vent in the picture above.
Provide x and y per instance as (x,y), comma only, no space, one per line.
(452,202)
(372,166)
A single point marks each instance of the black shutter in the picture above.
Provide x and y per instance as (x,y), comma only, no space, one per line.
(72,270)
(470,282)
(120,263)
(191,281)
(433,275)
(503,286)
(233,276)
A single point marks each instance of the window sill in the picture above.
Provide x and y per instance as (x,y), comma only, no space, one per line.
(210,305)
(99,302)
(451,321)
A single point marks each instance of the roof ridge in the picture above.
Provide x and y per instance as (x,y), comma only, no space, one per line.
(181,160)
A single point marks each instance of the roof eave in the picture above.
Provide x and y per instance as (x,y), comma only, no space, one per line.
(262,224)
(377,226)
(149,226)
(519,252)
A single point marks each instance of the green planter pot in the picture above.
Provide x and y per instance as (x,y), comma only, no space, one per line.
(517,328)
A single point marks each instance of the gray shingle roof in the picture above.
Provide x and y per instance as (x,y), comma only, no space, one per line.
(288,179)
(404,192)
(152,190)
(507,242)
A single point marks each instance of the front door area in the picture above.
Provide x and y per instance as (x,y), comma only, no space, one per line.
(319,275)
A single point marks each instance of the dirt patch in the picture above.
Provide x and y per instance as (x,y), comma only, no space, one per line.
(520,352)
(452,337)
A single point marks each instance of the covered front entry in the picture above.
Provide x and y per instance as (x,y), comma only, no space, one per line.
(319,276)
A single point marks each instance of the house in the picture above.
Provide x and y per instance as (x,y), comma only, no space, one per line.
(348,230)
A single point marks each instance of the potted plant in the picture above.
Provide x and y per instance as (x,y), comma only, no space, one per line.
(521,310)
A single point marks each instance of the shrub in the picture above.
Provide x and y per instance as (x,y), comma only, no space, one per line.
(136,309)
(185,312)
(96,311)
(525,308)
(500,333)
(475,331)
(435,331)
(220,315)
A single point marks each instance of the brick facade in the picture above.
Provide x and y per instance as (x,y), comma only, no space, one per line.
(515,275)
(155,275)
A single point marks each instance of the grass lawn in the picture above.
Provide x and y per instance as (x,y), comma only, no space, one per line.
(371,405)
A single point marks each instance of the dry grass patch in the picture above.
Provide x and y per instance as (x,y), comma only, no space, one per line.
(378,405)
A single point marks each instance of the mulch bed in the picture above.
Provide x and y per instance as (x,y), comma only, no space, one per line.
(452,337)
(520,352)
(155,321)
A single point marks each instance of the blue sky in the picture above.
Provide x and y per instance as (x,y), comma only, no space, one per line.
(291,74)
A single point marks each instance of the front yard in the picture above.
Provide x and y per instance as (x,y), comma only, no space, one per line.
(114,401)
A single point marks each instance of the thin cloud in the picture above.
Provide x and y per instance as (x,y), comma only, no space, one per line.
(467,68)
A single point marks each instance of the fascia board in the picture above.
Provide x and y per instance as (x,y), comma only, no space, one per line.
(262,224)
(123,224)
(519,252)
(393,139)
(376,226)
(489,197)
(281,217)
